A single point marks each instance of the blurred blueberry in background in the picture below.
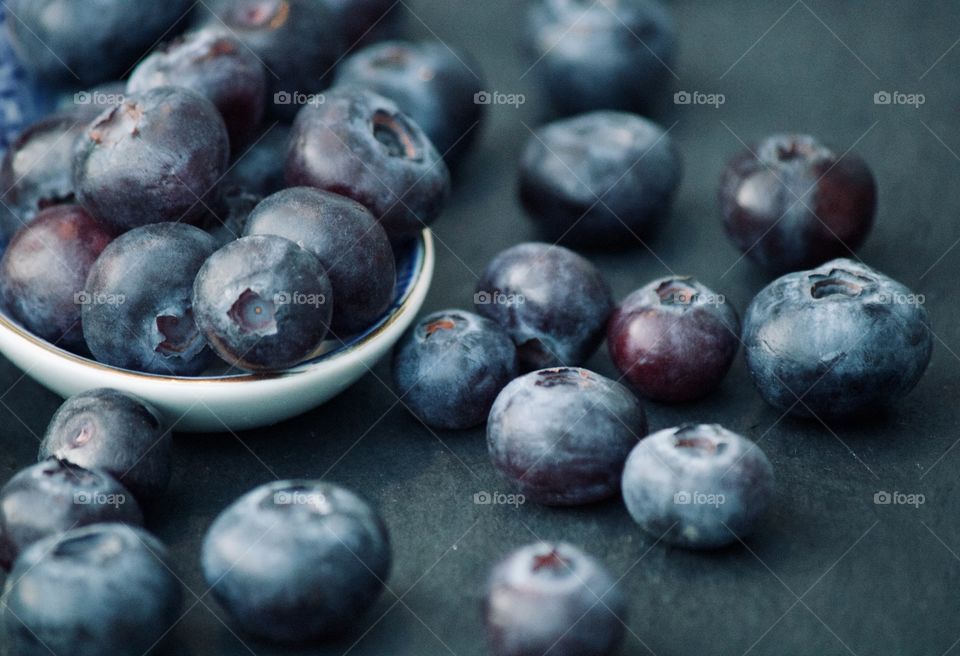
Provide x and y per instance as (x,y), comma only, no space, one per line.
(21,101)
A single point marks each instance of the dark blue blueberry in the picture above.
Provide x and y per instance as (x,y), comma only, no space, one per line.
(215,65)
(36,172)
(298,41)
(552,598)
(54,496)
(263,303)
(104,589)
(258,168)
(44,270)
(674,339)
(553,303)
(450,366)
(603,178)
(116,432)
(346,238)
(432,84)
(836,340)
(155,157)
(561,435)
(137,311)
(72,42)
(608,54)
(296,560)
(359,144)
(791,202)
(697,486)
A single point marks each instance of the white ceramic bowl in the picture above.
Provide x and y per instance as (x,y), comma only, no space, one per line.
(241,400)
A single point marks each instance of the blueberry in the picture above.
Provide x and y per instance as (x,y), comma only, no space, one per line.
(36,172)
(450,366)
(359,144)
(602,178)
(609,54)
(258,169)
(697,486)
(298,41)
(791,203)
(104,589)
(553,303)
(432,84)
(263,303)
(674,339)
(53,496)
(70,41)
(137,311)
(346,238)
(115,432)
(155,157)
(216,65)
(836,340)
(44,270)
(561,435)
(552,598)
(296,560)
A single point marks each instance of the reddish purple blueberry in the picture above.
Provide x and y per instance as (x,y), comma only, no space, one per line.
(791,203)
(44,271)
(674,339)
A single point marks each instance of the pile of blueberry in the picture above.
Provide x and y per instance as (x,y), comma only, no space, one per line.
(177,217)
(213,203)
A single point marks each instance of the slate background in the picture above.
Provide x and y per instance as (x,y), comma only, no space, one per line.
(830,572)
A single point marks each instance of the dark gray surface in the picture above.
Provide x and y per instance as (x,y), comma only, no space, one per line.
(830,572)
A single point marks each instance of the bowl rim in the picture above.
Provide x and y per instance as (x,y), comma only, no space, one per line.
(424,256)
